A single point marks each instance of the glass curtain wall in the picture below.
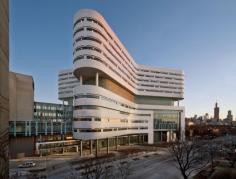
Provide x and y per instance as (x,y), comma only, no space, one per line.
(166,119)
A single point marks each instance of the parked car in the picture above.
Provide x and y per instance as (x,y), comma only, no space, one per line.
(22,173)
(27,164)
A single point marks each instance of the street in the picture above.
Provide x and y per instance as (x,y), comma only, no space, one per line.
(149,164)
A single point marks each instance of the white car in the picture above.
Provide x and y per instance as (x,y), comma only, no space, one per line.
(27,165)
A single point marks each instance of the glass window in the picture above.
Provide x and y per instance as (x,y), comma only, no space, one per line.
(166,119)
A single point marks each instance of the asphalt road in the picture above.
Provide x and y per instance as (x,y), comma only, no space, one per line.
(154,168)
(149,165)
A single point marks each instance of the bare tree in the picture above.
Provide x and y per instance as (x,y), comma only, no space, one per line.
(231,157)
(93,169)
(231,152)
(72,176)
(104,168)
(109,171)
(211,150)
(124,169)
(4,155)
(188,156)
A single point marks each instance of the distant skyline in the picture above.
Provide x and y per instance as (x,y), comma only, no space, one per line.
(195,36)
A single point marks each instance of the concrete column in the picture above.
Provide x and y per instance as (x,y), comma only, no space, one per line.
(29,122)
(61,128)
(91,147)
(143,138)
(26,128)
(51,127)
(107,145)
(174,136)
(128,139)
(168,136)
(150,134)
(36,128)
(46,128)
(97,79)
(65,128)
(161,135)
(182,125)
(96,147)
(81,148)
(116,142)
(14,128)
(81,80)
(77,149)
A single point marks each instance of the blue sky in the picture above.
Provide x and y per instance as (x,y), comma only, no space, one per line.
(196,36)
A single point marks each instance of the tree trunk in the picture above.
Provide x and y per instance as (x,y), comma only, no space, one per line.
(184,175)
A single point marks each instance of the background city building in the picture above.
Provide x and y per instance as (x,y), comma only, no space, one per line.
(209,127)
(229,118)
(4,87)
(229,115)
(216,112)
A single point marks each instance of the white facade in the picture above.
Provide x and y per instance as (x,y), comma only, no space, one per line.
(116,96)
(66,84)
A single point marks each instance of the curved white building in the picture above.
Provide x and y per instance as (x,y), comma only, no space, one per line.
(116,96)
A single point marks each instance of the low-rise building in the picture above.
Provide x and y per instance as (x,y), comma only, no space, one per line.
(21,97)
(52,111)
(32,122)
